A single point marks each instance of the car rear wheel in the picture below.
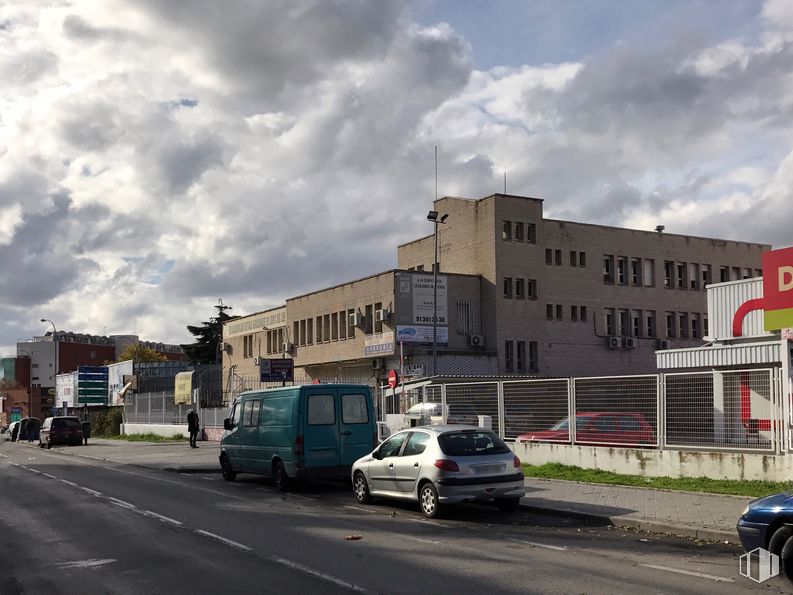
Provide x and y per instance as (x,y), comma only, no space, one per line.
(779,538)
(428,499)
(280,478)
(225,468)
(361,489)
(508,504)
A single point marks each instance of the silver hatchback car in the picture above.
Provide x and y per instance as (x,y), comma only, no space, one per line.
(436,465)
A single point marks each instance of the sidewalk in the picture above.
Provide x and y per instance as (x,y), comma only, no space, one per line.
(702,516)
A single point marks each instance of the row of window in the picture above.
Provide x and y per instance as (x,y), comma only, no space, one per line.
(642,323)
(321,411)
(521,356)
(520,289)
(517,231)
(556,311)
(628,270)
(577,259)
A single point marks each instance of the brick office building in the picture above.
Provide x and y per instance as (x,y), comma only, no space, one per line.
(518,294)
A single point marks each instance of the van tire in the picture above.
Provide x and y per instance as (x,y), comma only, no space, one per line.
(225,468)
(280,478)
(361,489)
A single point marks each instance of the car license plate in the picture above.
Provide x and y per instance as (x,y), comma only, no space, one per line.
(488,469)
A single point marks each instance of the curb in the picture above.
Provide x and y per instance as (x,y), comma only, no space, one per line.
(650,526)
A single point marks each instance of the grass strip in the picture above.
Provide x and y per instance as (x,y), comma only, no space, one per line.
(755,488)
(145,438)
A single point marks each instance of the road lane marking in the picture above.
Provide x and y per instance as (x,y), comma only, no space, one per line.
(432,541)
(90,491)
(93,563)
(222,539)
(34,470)
(4,456)
(319,574)
(362,509)
(69,483)
(48,475)
(689,573)
(162,518)
(121,503)
(558,548)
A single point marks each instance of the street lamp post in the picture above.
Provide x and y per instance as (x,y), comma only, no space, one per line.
(55,342)
(433,217)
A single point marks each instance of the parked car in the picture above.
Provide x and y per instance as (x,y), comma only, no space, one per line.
(439,465)
(598,428)
(296,432)
(62,429)
(13,431)
(768,523)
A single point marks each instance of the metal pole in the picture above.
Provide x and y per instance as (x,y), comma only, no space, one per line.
(435,304)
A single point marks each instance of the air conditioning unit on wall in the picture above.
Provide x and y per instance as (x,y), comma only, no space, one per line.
(630,342)
(286,347)
(381,315)
(613,342)
(662,344)
(476,340)
(355,319)
(377,363)
(255,361)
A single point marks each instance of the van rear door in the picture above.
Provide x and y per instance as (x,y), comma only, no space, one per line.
(321,430)
(357,427)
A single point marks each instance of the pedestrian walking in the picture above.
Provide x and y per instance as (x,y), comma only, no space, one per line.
(192,427)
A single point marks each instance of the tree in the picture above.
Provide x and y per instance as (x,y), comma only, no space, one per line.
(205,349)
(139,353)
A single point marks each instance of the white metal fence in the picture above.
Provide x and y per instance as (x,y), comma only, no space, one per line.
(734,410)
(159,408)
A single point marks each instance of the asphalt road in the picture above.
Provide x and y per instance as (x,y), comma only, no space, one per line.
(75,525)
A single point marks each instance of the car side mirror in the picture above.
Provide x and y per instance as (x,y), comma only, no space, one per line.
(227,424)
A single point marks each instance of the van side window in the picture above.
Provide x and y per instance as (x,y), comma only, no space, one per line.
(250,415)
(353,409)
(276,412)
(236,414)
(321,410)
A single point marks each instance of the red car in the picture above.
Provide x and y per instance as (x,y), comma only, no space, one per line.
(598,428)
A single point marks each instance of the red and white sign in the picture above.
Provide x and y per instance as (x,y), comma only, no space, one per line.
(393,378)
(778,289)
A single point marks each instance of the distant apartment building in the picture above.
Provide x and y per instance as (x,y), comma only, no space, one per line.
(517,294)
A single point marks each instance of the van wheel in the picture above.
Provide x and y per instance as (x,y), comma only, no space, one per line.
(225,468)
(361,489)
(280,478)
(428,498)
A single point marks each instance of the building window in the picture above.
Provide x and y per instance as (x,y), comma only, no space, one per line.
(548,256)
(350,323)
(334,326)
(648,276)
(518,231)
(636,271)
(295,332)
(680,278)
(302,332)
(649,323)
(695,326)
(583,313)
(531,233)
(693,275)
(378,325)
(521,359)
(269,342)
(670,324)
(508,347)
(420,267)
(310,331)
(609,321)
(622,278)
(519,289)
(319,330)
(342,325)
(636,323)
(558,312)
(582,259)
(506,231)
(747,274)
(531,289)
(623,319)
(683,325)
(669,271)
(705,325)
(736,273)
(608,268)
(464,318)
(508,287)
(534,364)
(573,312)
(247,346)
(558,257)
(724,274)
(549,311)
(706,278)
(573,258)
(368,325)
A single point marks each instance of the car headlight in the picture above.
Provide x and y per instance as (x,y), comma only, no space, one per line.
(745,511)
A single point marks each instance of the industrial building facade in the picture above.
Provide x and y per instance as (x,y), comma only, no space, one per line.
(517,294)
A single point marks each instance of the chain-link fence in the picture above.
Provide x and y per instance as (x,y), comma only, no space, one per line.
(159,408)
(537,408)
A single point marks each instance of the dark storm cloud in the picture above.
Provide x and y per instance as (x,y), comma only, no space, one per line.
(179,161)
(90,125)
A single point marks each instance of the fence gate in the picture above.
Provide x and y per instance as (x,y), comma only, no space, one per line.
(732,410)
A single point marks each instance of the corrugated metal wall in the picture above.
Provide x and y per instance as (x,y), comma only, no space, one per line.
(724,299)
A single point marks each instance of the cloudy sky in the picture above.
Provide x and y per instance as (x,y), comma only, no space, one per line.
(157,155)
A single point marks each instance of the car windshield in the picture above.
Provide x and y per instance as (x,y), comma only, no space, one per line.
(580,422)
(471,443)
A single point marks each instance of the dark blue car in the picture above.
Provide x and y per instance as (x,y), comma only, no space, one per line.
(768,523)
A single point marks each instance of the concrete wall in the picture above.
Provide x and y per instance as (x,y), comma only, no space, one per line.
(159,429)
(658,463)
